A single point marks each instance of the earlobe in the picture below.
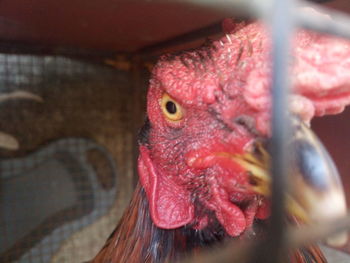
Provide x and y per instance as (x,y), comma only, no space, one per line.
(170,204)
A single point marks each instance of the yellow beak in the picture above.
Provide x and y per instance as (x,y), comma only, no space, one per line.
(315,191)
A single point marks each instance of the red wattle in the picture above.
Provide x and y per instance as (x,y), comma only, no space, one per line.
(231,218)
(170,204)
(229,215)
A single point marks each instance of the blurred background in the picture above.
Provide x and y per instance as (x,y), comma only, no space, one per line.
(73,79)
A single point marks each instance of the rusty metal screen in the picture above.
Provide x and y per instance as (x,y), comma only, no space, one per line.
(70,136)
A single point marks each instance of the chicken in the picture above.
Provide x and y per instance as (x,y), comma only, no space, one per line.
(203,164)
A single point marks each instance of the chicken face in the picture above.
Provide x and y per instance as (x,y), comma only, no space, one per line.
(208,114)
(193,152)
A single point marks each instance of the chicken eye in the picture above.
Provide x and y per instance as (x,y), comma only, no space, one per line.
(171,109)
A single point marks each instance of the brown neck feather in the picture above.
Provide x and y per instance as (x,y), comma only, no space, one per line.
(136,239)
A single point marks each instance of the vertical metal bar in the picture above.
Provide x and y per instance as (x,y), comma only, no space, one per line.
(282,28)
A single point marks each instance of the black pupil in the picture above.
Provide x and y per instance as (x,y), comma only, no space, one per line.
(171,107)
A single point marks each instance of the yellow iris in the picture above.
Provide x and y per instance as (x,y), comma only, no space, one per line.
(171,109)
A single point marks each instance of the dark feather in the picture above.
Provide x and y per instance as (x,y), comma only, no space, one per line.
(137,240)
(143,136)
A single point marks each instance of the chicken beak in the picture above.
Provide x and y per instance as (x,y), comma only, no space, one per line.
(315,193)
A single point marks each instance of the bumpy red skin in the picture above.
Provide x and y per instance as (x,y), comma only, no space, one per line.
(178,169)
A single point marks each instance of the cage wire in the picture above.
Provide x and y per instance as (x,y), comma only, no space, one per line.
(75,127)
(71,119)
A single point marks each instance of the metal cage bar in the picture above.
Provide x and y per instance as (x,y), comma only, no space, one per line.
(282,27)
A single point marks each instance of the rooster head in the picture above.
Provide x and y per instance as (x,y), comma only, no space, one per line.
(202,150)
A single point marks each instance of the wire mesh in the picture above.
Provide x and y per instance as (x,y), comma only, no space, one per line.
(51,189)
(40,178)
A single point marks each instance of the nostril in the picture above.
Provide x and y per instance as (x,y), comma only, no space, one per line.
(247,122)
